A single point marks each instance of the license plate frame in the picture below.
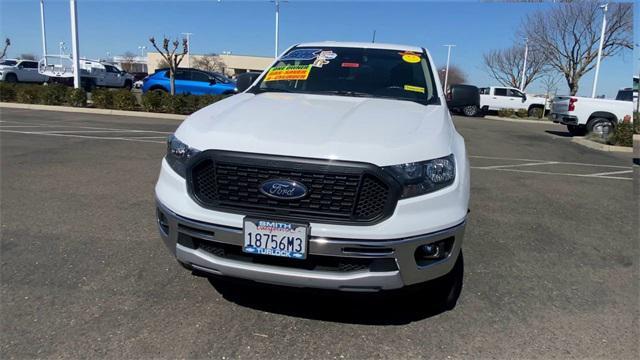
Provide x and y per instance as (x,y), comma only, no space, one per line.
(275,237)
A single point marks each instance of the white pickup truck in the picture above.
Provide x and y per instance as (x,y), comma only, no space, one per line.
(496,98)
(587,115)
(338,167)
(16,70)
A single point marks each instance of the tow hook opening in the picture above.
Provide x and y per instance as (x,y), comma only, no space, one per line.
(430,253)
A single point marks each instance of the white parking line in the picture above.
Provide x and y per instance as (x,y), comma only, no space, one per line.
(85,127)
(612,173)
(517,165)
(82,136)
(593,176)
(540,161)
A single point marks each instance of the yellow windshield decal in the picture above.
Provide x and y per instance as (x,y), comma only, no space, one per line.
(414,88)
(288,72)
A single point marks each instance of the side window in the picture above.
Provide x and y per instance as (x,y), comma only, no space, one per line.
(514,93)
(500,92)
(111,69)
(181,75)
(30,64)
(199,76)
(484,91)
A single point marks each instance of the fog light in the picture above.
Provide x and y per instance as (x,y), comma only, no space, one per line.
(435,251)
(431,251)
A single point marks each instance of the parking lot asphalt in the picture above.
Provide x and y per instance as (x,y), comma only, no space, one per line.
(551,254)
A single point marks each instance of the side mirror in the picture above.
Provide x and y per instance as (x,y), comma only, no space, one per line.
(212,81)
(20,66)
(524,97)
(463,95)
(244,80)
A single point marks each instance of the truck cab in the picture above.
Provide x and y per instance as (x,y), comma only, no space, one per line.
(495,98)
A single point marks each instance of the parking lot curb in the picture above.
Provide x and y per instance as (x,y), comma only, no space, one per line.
(93,111)
(602,147)
(498,118)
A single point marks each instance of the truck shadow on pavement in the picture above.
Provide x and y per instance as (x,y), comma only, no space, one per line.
(386,308)
(559,133)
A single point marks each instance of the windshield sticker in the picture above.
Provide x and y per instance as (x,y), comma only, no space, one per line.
(410,57)
(350,65)
(302,54)
(414,88)
(323,58)
(288,72)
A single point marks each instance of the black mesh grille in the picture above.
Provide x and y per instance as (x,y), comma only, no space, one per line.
(340,194)
(313,262)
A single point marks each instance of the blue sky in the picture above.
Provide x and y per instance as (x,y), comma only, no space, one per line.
(247,27)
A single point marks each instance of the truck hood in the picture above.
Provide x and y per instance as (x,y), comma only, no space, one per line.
(378,131)
(3,67)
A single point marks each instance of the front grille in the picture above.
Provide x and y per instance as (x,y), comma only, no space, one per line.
(337,191)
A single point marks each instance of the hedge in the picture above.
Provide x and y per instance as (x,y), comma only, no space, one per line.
(153,101)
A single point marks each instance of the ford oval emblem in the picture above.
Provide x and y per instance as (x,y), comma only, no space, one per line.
(283,189)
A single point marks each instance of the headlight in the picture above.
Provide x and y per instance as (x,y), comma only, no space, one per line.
(178,154)
(424,177)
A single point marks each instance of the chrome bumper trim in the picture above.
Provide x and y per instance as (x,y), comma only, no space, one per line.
(402,250)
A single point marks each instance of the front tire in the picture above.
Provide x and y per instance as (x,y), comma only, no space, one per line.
(449,287)
(471,110)
(535,112)
(11,78)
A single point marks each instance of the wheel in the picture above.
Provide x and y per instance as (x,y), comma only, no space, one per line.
(158,90)
(535,112)
(88,84)
(576,130)
(11,78)
(449,287)
(600,126)
(471,110)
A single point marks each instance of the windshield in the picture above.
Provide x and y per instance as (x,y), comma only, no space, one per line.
(359,72)
(8,62)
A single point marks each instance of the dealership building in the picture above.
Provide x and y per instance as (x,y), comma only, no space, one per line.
(232,64)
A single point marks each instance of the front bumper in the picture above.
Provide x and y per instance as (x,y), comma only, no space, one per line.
(190,241)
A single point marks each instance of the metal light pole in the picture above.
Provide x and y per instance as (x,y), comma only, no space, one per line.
(44,33)
(61,46)
(604,8)
(277,25)
(188,35)
(446,74)
(143,48)
(524,66)
(74,43)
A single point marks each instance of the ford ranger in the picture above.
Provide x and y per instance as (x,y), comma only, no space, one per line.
(338,167)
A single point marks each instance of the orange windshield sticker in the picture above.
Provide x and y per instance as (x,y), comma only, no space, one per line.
(414,88)
(288,72)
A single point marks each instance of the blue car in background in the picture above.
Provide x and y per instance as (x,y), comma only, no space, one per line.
(190,81)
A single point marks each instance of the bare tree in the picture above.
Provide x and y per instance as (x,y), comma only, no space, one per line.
(209,62)
(569,34)
(7,42)
(549,82)
(506,65)
(28,57)
(170,54)
(456,76)
(128,59)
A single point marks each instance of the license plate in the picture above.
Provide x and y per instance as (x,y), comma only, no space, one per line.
(275,238)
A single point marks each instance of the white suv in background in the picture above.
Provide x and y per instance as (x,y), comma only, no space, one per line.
(15,70)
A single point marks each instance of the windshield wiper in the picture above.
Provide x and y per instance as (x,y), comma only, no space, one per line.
(344,93)
(262,90)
